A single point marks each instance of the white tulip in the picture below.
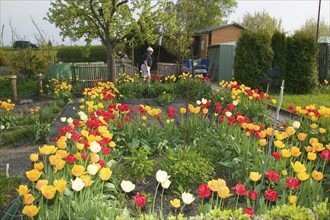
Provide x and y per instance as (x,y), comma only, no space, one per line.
(166,184)
(235,102)
(204,101)
(95,147)
(77,184)
(296,124)
(69,120)
(63,119)
(127,186)
(187,198)
(92,169)
(161,176)
(228,114)
(82,116)
(198,102)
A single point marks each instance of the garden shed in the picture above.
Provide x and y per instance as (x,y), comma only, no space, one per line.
(221,61)
(324,60)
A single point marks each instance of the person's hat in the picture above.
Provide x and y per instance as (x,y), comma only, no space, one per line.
(150,49)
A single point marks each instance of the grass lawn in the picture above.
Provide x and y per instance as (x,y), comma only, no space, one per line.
(318,99)
(25,89)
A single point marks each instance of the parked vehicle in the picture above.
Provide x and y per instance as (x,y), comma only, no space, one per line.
(21,44)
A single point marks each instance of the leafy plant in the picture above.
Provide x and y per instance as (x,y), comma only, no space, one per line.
(166,98)
(186,167)
(7,185)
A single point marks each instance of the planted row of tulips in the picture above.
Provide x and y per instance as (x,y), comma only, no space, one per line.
(74,178)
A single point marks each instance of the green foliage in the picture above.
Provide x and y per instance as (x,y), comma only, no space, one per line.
(301,74)
(322,210)
(226,214)
(197,89)
(252,56)
(290,212)
(166,98)
(262,22)
(310,26)
(279,46)
(8,186)
(186,167)
(138,164)
(71,54)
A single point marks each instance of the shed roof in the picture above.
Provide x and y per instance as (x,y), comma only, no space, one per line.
(210,29)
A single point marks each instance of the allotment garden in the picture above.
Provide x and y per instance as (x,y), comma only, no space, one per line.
(178,148)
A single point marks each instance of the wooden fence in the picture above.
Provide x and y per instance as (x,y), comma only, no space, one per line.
(167,69)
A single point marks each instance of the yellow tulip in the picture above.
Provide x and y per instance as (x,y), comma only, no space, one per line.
(38,166)
(302,136)
(175,203)
(262,142)
(28,199)
(298,167)
(279,144)
(318,146)
(311,156)
(95,157)
(41,183)
(34,157)
(317,176)
(105,173)
(33,175)
(80,146)
(284,172)
(30,210)
(62,153)
(144,117)
(255,176)
(183,111)
(48,191)
(47,149)
(314,126)
(292,199)
(224,192)
(59,165)
(87,180)
(302,176)
(309,149)
(285,153)
(295,151)
(60,185)
(77,170)
(216,184)
(23,190)
(290,130)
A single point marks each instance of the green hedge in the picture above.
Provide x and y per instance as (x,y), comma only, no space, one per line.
(279,46)
(301,74)
(253,54)
(72,54)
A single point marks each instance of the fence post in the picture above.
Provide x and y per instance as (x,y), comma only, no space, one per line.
(13,79)
(39,77)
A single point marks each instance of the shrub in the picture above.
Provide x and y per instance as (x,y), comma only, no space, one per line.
(301,74)
(290,212)
(71,54)
(279,46)
(186,167)
(252,56)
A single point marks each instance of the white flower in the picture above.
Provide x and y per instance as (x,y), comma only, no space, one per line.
(68,135)
(198,102)
(161,176)
(69,120)
(166,184)
(235,102)
(82,116)
(296,124)
(63,119)
(2,127)
(228,114)
(204,101)
(77,184)
(187,198)
(95,147)
(127,186)
(92,169)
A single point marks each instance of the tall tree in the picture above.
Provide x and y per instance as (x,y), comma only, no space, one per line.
(108,20)
(262,21)
(184,17)
(309,28)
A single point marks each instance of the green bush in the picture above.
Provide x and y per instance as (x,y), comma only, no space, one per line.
(186,167)
(290,212)
(253,54)
(301,74)
(72,54)
(279,46)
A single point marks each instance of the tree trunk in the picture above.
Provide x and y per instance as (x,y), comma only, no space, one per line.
(111,65)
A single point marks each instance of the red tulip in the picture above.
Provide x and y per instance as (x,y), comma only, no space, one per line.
(70,158)
(325,155)
(292,183)
(271,195)
(273,176)
(204,191)
(277,155)
(252,195)
(140,200)
(239,189)
(249,211)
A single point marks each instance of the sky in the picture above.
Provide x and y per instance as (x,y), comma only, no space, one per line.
(18,15)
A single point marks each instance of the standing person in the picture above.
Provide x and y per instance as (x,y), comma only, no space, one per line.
(146,63)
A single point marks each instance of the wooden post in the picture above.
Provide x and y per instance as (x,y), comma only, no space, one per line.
(39,77)
(13,79)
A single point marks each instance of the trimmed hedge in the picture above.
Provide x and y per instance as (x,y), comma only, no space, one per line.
(72,54)
(279,46)
(253,54)
(301,74)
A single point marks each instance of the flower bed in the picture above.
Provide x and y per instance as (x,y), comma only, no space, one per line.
(105,156)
